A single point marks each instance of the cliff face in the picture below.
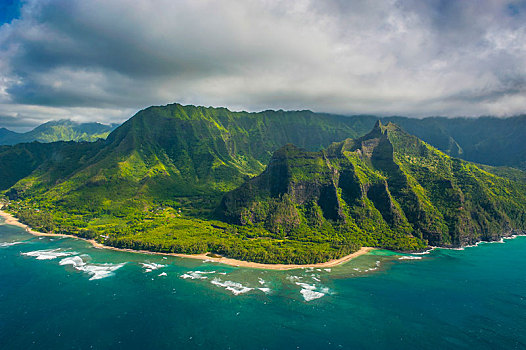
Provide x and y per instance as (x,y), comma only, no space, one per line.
(158,180)
(168,152)
(387,180)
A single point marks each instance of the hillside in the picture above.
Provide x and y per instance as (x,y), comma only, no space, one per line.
(387,183)
(179,151)
(487,140)
(61,130)
(195,179)
(167,164)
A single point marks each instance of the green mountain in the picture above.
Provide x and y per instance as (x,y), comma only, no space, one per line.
(163,170)
(386,181)
(6,134)
(61,130)
(183,151)
(194,179)
(487,140)
(252,137)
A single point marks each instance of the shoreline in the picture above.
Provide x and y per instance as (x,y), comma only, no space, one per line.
(11,220)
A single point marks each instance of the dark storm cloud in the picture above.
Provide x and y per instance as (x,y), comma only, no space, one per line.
(102,60)
(19,122)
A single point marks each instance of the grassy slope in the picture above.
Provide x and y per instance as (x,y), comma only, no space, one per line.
(386,189)
(163,170)
(154,183)
(488,140)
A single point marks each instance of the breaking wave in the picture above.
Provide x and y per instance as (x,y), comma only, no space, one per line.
(48,254)
(96,271)
(234,287)
(9,244)
(409,257)
(196,275)
(294,278)
(149,267)
(309,292)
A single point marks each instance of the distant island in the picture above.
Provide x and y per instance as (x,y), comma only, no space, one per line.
(272,187)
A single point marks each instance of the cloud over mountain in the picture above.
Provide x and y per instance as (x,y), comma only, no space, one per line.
(101,61)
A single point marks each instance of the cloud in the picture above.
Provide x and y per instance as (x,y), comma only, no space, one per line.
(74,57)
(21,118)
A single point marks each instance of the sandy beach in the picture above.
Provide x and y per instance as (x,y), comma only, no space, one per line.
(11,220)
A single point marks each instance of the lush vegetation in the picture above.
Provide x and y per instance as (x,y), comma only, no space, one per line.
(178,161)
(387,189)
(61,130)
(192,179)
(487,140)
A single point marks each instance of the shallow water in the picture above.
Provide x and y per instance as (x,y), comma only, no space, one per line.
(62,293)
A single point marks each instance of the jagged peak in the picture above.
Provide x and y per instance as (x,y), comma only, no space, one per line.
(380,128)
(393,127)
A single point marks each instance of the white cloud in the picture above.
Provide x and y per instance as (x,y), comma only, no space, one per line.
(96,59)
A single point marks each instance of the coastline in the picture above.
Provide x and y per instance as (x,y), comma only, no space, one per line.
(11,220)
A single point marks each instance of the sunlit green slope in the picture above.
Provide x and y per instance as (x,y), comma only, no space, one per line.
(386,182)
(194,179)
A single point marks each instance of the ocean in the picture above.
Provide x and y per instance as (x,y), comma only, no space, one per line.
(62,293)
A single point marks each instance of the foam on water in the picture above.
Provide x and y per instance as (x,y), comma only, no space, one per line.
(309,295)
(162,274)
(149,267)
(234,287)
(9,244)
(409,257)
(96,271)
(499,241)
(196,275)
(425,252)
(294,278)
(48,254)
(74,261)
(510,237)
(309,292)
(102,270)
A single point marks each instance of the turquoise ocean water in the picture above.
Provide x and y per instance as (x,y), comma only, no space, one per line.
(61,293)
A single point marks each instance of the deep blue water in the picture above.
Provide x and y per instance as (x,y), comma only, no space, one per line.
(87,298)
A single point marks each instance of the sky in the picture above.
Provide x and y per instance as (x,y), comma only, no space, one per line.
(104,60)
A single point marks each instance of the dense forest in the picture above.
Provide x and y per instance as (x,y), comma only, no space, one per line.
(274,187)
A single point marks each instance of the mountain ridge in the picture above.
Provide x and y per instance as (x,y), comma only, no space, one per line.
(384,170)
(58,130)
(486,140)
(166,179)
